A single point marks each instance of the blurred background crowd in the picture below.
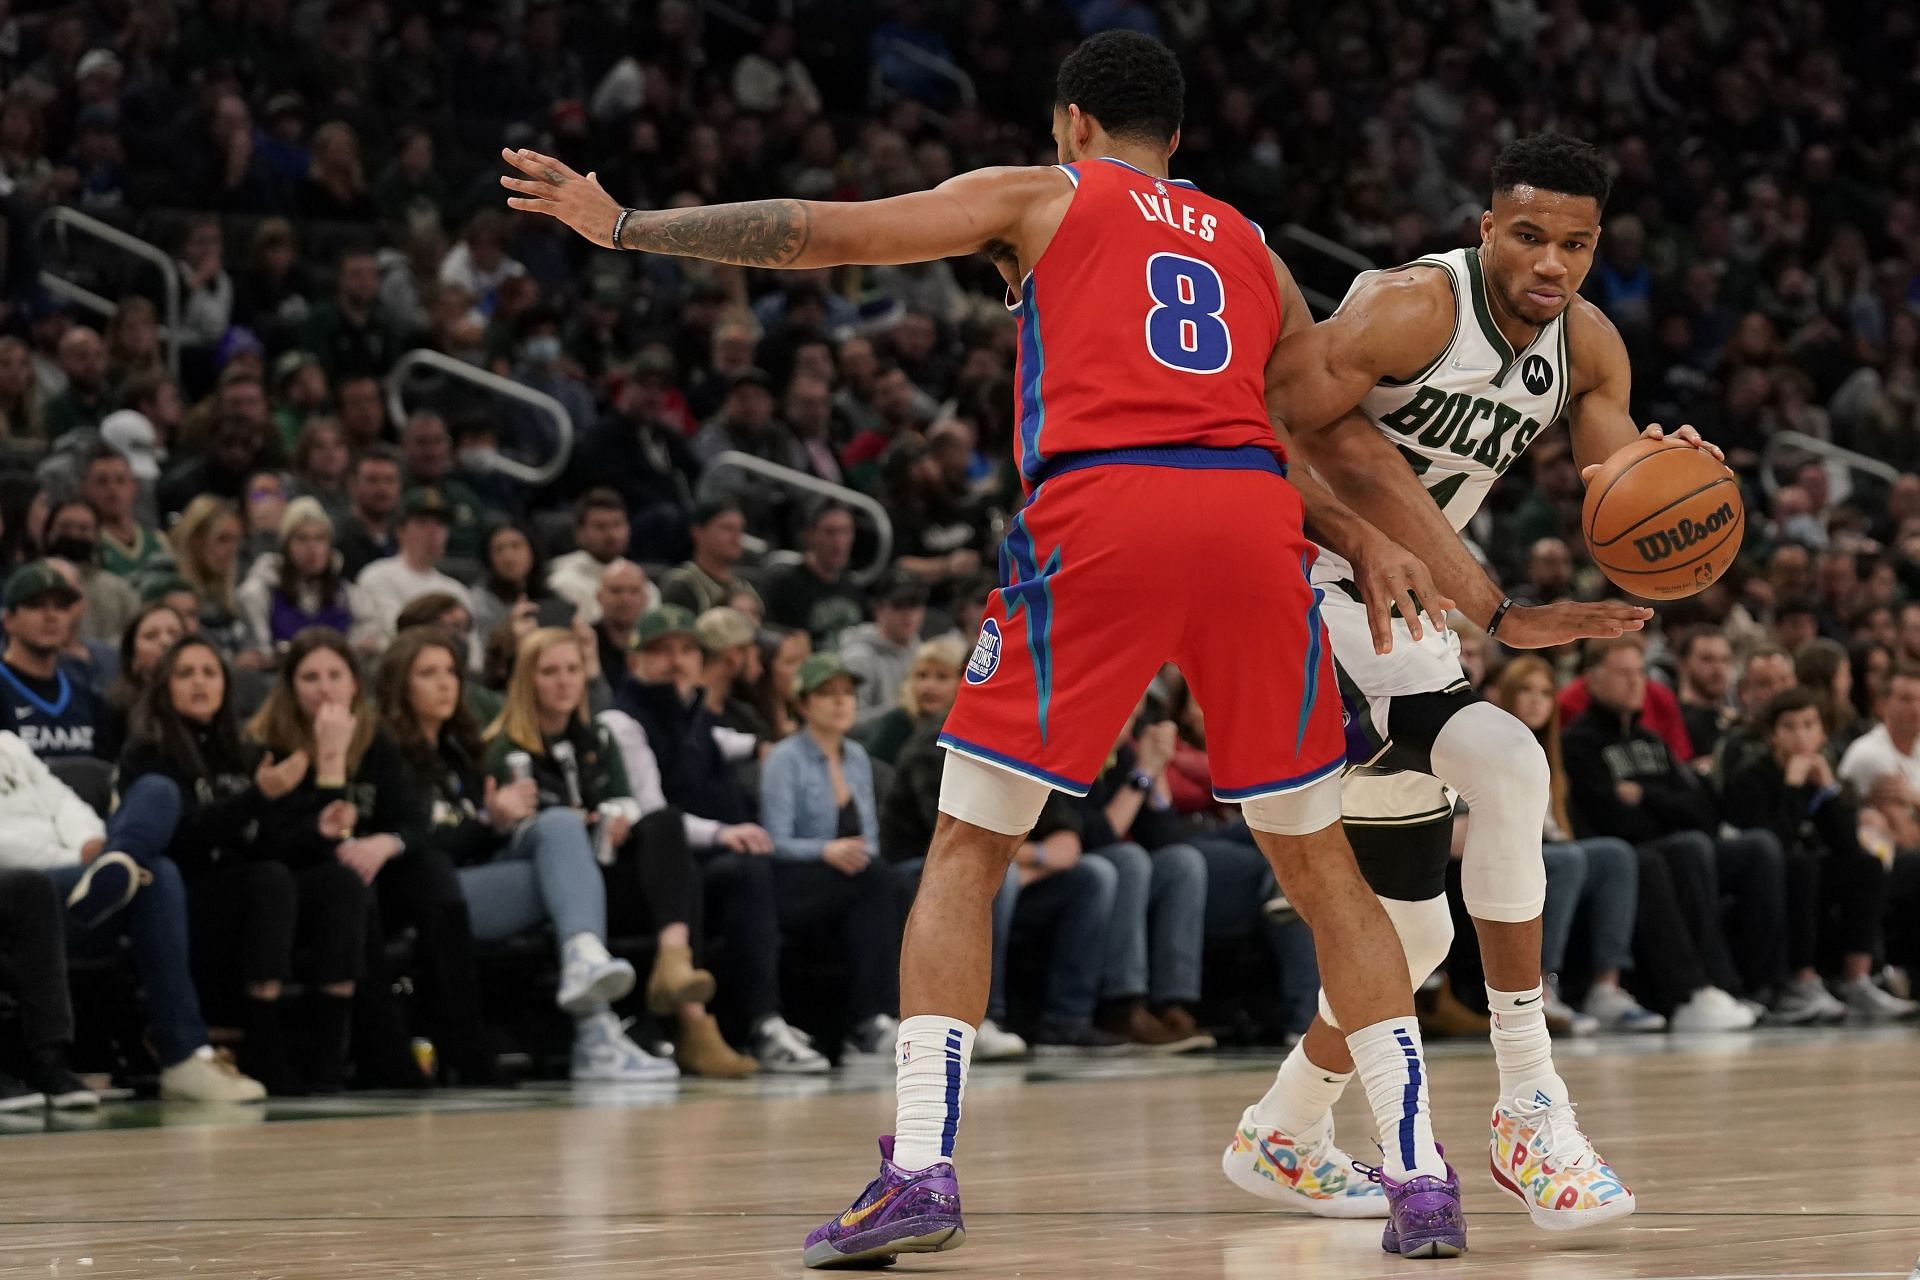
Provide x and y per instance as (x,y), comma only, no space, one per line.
(699,551)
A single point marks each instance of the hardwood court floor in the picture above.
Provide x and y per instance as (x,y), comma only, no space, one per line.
(1784,1155)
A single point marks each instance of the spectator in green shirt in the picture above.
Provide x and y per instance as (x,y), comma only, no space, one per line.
(426,450)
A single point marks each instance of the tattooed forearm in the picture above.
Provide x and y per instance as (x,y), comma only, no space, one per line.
(759,233)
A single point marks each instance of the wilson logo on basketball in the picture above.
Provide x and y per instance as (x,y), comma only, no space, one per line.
(1661,543)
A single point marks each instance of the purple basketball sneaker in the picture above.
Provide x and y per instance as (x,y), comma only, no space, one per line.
(901,1211)
(1424,1219)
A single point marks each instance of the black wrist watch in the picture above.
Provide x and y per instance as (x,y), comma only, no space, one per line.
(1140,780)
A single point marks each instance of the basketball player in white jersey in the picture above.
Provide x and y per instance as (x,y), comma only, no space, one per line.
(1445,371)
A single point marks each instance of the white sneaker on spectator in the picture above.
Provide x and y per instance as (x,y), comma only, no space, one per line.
(1618,1011)
(1756,1008)
(1866,999)
(873,1038)
(994,1043)
(1559,1012)
(206,1076)
(590,975)
(785,1050)
(1711,1009)
(1803,1001)
(604,1054)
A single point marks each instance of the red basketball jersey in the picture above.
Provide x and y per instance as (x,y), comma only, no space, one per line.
(1147,323)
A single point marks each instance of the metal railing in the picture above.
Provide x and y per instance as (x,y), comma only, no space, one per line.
(543,473)
(738,19)
(1326,253)
(64,218)
(939,66)
(734,460)
(1824,450)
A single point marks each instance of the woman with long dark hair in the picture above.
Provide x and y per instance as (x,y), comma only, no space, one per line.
(251,896)
(318,707)
(152,632)
(515,571)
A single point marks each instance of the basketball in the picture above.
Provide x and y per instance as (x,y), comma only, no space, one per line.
(1663,520)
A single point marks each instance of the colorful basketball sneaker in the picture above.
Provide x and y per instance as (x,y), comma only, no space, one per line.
(1424,1218)
(901,1211)
(1308,1172)
(1539,1156)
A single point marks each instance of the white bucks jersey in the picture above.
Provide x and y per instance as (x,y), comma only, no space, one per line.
(1463,420)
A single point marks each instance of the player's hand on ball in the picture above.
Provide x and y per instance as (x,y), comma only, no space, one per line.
(1389,575)
(1544,626)
(1680,435)
(550,187)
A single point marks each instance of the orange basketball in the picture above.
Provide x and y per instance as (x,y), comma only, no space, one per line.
(1663,520)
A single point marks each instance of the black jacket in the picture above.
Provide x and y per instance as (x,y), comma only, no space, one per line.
(693,773)
(911,806)
(382,788)
(1818,819)
(220,807)
(1603,748)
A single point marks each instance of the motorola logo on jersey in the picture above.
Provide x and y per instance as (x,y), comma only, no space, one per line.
(986,654)
(1537,374)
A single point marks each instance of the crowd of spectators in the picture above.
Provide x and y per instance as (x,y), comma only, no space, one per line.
(370,701)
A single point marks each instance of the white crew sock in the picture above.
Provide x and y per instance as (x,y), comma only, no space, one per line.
(1302,1095)
(1523,1049)
(1387,1057)
(931,1056)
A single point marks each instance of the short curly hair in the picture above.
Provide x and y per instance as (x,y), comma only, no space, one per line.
(1553,162)
(1130,83)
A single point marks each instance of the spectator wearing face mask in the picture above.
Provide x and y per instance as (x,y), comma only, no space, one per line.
(543,366)
(72,533)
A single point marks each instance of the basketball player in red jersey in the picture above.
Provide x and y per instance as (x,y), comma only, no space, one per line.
(1158,526)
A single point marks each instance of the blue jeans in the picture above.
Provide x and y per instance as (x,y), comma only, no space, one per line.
(1602,873)
(1159,924)
(1077,905)
(546,872)
(1239,883)
(155,922)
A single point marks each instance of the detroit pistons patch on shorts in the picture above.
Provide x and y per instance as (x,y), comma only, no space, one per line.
(1097,598)
(986,654)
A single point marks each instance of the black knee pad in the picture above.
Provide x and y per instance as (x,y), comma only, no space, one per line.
(1407,863)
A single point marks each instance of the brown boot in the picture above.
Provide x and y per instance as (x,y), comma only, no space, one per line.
(1442,1014)
(1130,1019)
(702,1051)
(674,981)
(1188,1035)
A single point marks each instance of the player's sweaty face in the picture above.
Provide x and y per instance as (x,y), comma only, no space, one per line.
(1537,247)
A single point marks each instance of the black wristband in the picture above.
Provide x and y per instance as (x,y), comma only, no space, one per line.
(1493,623)
(619,225)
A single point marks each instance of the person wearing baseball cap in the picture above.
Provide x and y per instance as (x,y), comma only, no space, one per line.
(387,586)
(817,801)
(53,714)
(732,665)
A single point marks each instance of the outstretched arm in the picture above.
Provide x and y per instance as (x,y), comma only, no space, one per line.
(988,209)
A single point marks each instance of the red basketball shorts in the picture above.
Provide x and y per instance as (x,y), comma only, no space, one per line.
(1117,566)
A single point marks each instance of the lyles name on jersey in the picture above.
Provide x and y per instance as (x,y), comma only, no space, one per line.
(1160,207)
